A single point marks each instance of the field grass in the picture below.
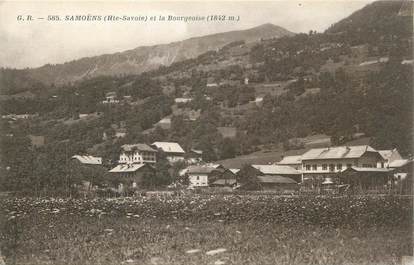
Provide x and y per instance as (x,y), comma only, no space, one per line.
(53,233)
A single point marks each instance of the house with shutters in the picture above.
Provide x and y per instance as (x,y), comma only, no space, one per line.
(135,161)
(137,154)
(320,164)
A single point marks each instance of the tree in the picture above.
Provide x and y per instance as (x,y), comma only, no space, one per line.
(247,177)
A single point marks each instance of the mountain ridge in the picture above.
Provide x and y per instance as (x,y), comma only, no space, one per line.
(145,58)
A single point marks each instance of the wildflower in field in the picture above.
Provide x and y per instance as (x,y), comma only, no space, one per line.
(216,251)
(192,251)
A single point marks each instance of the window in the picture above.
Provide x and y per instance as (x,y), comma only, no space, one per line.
(382,164)
(198,178)
(339,166)
(324,166)
(308,167)
(348,165)
(331,167)
(314,167)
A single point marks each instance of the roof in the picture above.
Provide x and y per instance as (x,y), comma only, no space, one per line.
(290,160)
(386,154)
(277,170)
(199,152)
(127,168)
(169,147)
(369,169)
(337,152)
(399,163)
(224,182)
(276,179)
(390,155)
(88,160)
(139,147)
(200,169)
(234,170)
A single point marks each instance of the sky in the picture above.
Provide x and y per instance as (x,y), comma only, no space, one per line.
(40,41)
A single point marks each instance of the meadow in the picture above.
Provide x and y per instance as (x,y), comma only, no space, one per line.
(207,230)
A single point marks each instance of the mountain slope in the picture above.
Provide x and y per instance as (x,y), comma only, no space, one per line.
(376,21)
(149,57)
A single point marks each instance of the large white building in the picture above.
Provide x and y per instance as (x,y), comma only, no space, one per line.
(137,154)
(336,159)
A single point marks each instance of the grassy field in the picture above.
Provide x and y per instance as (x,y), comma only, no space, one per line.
(126,232)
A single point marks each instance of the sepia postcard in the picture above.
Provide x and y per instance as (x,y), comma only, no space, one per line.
(206,132)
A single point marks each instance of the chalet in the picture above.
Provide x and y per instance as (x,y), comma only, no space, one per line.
(292,161)
(212,85)
(222,177)
(88,169)
(131,175)
(277,183)
(88,160)
(279,170)
(259,101)
(110,98)
(389,156)
(120,133)
(137,154)
(182,100)
(173,151)
(164,123)
(194,156)
(192,115)
(321,163)
(198,176)
(403,177)
(366,179)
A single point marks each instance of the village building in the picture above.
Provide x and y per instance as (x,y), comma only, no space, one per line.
(173,151)
(277,183)
(131,175)
(279,170)
(137,154)
(234,170)
(120,133)
(292,161)
(389,157)
(202,175)
(363,179)
(110,98)
(222,177)
(194,156)
(88,169)
(164,123)
(182,100)
(321,163)
(88,160)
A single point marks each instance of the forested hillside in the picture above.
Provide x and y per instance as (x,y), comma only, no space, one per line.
(354,78)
